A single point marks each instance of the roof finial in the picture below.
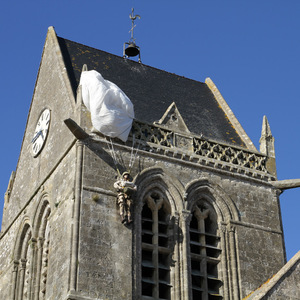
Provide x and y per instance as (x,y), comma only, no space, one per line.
(267,146)
(133,17)
(132,49)
(267,140)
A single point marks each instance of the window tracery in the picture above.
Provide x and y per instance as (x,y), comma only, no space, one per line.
(23,265)
(205,253)
(29,277)
(156,247)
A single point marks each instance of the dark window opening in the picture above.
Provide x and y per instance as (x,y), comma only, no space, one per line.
(147,289)
(164,291)
(197,294)
(194,223)
(147,256)
(205,253)
(156,249)
(147,213)
(146,237)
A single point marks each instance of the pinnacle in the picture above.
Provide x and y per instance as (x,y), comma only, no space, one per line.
(266,129)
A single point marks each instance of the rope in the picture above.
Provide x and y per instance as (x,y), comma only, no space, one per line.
(113,155)
(137,149)
(131,154)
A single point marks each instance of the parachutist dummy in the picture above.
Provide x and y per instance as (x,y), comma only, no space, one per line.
(125,189)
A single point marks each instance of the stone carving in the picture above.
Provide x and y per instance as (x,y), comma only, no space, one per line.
(155,136)
(229,154)
(125,190)
(173,120)
(26,264)
(44,270)
(184,142)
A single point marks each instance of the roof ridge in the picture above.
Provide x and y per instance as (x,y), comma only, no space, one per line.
(133,61)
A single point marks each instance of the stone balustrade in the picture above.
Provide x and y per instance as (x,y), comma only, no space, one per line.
(151,137)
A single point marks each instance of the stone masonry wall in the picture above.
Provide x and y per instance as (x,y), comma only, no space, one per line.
(61,218)
(105,260)
(106,243)
(51,92)
(288,287)
(285,284)
(59,192)
(47,177)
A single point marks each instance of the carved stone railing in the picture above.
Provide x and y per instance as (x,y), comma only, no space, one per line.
(152,134)
(155,136)
(230,154)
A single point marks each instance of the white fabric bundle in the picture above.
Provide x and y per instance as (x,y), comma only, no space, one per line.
(111,110)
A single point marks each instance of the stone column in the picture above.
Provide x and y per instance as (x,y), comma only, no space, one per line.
(177,275)
(76,222)
(14,279)
(223,234)
(233,262)
(21,279)
(185,278)
(38,268)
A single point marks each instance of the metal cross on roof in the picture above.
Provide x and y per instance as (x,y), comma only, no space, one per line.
(133,18)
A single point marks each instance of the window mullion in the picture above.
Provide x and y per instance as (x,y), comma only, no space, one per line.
(205,253)
(156,250)
(155,253)
(203,264)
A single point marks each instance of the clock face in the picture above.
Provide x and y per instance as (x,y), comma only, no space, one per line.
(41,132)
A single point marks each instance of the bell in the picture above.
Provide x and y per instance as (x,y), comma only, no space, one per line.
(132,50)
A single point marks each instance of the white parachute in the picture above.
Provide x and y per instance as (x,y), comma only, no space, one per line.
(111,110)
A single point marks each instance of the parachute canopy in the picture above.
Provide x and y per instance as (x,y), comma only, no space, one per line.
(111,110)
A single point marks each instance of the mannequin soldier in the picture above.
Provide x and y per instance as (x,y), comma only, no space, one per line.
(125,189)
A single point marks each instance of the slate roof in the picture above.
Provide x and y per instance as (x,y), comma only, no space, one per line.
(152,91)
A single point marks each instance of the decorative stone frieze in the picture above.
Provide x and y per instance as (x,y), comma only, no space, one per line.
(155,138)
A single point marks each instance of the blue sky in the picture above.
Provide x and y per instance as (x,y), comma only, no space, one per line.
(250,49)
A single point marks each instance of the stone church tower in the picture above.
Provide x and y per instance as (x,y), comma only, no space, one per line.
(206,216)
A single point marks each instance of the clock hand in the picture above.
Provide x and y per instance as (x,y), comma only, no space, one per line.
(36,136)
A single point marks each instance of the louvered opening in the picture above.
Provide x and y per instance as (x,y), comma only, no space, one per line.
(155,249)
(205,253)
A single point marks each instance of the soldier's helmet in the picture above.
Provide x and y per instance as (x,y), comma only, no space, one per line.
(125,173)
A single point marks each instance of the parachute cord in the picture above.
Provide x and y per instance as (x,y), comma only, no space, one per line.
(137,149)
(131,154)
(113,152)
(113,155)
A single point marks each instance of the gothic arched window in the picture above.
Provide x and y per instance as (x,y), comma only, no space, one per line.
(23,270)
(205,252)
(156,247)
